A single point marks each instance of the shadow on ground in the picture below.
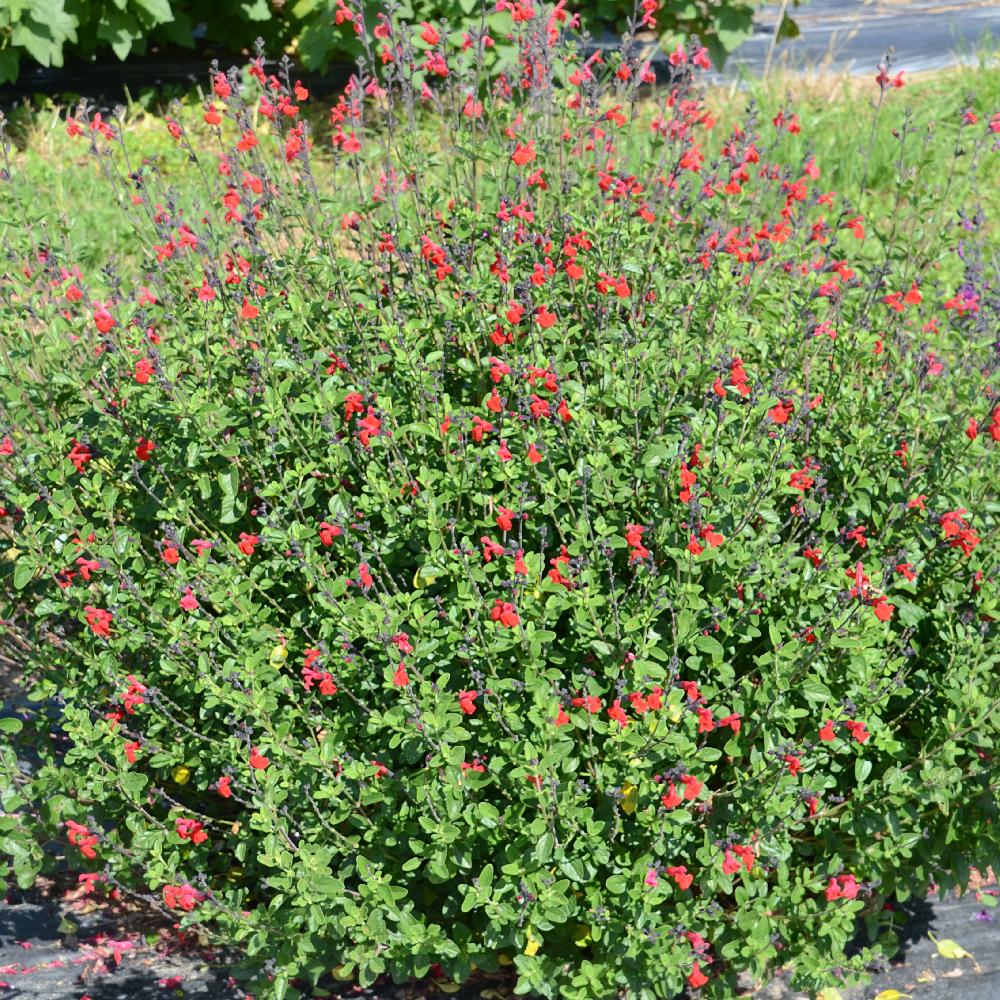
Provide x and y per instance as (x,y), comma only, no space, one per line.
(49,950)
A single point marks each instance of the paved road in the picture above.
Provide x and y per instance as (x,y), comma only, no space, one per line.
(852,35)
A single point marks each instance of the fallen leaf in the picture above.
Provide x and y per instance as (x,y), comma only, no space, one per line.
(947,948)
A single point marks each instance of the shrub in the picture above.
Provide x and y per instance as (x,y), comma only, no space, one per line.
(539,531)
(318,30)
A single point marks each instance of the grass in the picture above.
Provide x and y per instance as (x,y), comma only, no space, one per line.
(837,113)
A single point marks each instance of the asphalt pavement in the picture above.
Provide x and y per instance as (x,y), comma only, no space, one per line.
(57,944)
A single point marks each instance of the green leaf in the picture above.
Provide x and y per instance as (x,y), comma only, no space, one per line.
(158,10)
(119,31)
(709,645)
(257,10)
(23,573)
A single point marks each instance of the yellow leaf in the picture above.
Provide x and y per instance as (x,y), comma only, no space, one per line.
(278,655)
(581,935)
(505,959)
(631,793)
(181,774)
(341,974)
(425,576)
(891,995)
(950,949)
(674,713)
(446,986)
(830,993)
(531,948)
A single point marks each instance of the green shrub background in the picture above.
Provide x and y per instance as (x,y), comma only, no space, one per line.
(48,31)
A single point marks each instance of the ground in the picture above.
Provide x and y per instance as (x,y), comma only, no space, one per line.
(57,943)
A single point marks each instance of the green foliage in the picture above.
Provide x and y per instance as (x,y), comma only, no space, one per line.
(552,537)
(42,30)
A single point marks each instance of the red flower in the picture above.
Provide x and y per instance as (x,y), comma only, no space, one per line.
(143,370)
(79,455)
(672,799)
(562,719)
(191,829)
(858,730)
(181,897)
(103,320)
(826,733)
(714,538)
(188,602)
(87,566)
(131,750)
(544,318)
(99,620)
(858,535)
(257,760)
(730,864)
(467,701)
(633,536)
(733,721)
(958,532)
(81,837)
(842,887)
(328,532)
(692,786)
(688,479)
(247,542)
(524,154)
(697,979)
(681,876)
(882,608)
(617,713)
(222,786)
(779,414)
(479,428)
(505,613)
